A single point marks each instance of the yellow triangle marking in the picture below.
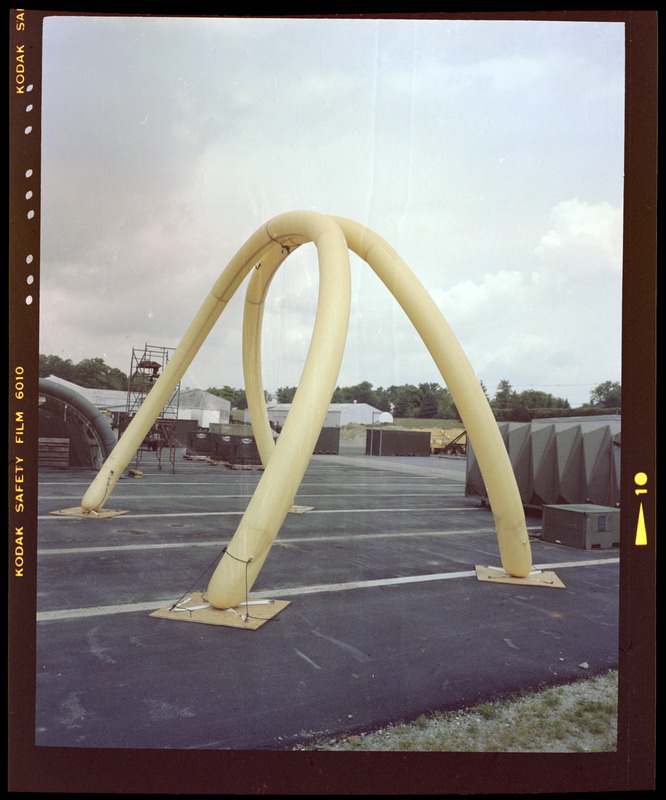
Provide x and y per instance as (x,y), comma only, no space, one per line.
(641,533)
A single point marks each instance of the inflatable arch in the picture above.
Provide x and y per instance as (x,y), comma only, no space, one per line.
(286,460)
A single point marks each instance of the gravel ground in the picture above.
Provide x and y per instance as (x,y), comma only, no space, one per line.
(575,718)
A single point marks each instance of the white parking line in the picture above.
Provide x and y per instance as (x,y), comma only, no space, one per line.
(79,613)
(344,537)
(427,492)
(171,514)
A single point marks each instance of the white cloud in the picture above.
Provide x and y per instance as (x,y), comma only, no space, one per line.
(558,323)
(587,227)
(454,141)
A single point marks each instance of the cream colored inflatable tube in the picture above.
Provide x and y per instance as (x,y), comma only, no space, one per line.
(277,488)
(292,229)
(275,493)
(286,462)
(465,388)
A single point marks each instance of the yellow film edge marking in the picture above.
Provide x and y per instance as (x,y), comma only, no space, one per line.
(640,479)
(641,533)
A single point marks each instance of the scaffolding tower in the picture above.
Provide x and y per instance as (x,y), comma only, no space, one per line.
(146,367)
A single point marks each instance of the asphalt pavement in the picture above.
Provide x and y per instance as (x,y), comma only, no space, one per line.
(386,617)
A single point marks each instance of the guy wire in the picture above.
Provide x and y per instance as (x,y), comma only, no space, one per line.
(215,558)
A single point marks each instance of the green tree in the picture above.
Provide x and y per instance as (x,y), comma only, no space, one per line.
(91,373)
(54,365)
(607,395)
(446,408)
(226,392)
(519,413)
(406,401)
(285,394)
(429,404)
(240,400)
(382,399)
(505,396)
(532,398)
(235,396)
(363,392)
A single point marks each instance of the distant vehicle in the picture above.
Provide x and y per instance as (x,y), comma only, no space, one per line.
(451,442)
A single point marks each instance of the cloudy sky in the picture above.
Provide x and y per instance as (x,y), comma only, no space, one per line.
(489,154)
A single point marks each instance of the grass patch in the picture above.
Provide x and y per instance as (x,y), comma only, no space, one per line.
(488,710)
(575,718)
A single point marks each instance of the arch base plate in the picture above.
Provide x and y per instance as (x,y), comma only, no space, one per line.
(536,578)
(195,608)
(77,511)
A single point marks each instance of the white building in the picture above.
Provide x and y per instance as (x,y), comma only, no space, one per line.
(103,399)
(339,414)
(196,404)
(203,406)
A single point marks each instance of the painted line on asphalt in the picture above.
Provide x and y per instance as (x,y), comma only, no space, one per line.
(345,537)
(427,492)
(124,608)
(172,514)
(418,479)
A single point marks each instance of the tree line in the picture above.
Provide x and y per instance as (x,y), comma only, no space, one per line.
(427,400)
(432,401)
(407,401)
(91,373)
(507,404)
